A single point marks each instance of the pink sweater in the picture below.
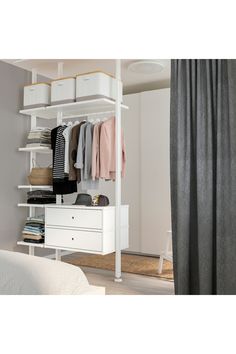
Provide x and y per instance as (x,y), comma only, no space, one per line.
(107,152)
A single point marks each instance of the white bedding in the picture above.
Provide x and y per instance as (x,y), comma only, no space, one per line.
(21,274)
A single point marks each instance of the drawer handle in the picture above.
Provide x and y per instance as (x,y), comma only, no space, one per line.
(73,217)
(72,238)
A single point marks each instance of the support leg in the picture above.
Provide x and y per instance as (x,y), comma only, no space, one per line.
(31,250)
(160,264)
(58,255)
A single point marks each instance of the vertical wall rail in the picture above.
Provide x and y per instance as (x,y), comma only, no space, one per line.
(33,124)
(118,173)
(59,115)
(59,121)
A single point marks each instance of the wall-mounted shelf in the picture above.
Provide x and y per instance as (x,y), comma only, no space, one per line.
(41,149)
(31,205)
(75,109)
(34,187)
(22,243)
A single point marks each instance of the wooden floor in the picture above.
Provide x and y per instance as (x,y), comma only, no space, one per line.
(132,284)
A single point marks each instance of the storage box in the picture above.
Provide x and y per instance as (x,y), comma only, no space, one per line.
(63,91)
(37,95)
(95,85)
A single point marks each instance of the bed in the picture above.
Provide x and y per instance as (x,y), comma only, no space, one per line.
(21,274)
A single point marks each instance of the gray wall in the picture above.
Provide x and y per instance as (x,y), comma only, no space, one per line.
(14,129)
(14,164)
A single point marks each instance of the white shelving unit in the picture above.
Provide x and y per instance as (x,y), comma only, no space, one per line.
(88,108)
(26,205)
(75,109)
(30,186)
(22,243)
(41,149)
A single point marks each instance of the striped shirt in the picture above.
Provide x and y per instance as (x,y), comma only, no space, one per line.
(59,155)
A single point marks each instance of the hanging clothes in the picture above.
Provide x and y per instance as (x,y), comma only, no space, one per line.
(74,174)
(61,183)
(67,135)
(84,157)
(108,151)
(96,151)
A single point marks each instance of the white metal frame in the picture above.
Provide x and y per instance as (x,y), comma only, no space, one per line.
(118,106)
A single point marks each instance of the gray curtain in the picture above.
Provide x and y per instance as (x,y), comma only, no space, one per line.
(203,175)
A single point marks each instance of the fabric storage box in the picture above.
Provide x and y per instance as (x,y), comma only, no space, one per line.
(95,85)
(37,95)
(63,91)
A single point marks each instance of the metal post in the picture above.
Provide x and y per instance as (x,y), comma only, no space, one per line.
(59,118)
(60,70)
(118,173)
(31,250)
(34,76)
(59,121)
(58,255)
(33,124)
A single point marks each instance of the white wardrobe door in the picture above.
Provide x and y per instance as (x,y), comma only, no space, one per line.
(131,182)
(155,172)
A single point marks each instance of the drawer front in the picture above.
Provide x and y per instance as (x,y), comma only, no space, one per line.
(76,239)
(87,219)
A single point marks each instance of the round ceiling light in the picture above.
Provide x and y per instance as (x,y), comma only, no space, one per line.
(146,67)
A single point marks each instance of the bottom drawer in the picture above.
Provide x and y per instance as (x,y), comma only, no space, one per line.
(84,240)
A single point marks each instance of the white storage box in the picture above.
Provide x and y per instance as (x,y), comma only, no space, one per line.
(63,90)
(37,95)
(95,85)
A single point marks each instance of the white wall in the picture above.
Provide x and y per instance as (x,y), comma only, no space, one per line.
(155,170)
(146,186)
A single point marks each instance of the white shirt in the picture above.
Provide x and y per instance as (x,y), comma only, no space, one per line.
(67,133)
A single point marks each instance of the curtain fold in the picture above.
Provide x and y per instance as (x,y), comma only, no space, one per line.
(203,175)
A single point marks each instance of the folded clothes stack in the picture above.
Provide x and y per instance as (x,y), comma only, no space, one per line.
(41,197)
(39,137)
(33,230)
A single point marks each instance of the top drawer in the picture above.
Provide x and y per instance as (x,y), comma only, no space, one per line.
(88,219)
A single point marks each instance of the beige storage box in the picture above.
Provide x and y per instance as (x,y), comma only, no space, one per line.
(95,85)
(63,91)
(37,95)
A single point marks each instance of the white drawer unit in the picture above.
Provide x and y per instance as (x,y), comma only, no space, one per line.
(37,95)
(95,85)
(63,91)
(84,229)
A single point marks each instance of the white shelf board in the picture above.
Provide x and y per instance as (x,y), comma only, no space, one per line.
(31,205)
(75,109)
(33,187)
(41,149)
(22,243)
